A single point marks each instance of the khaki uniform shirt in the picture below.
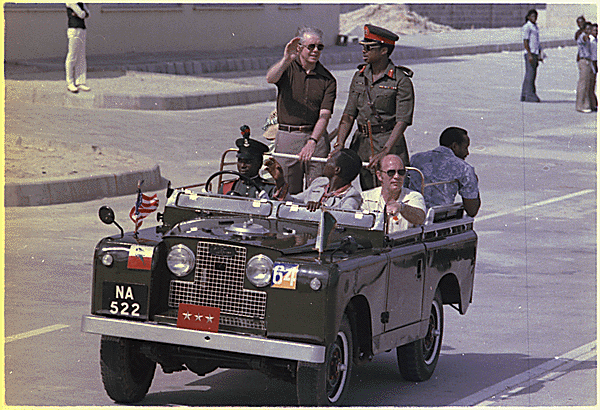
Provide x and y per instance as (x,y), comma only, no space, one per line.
(392,95)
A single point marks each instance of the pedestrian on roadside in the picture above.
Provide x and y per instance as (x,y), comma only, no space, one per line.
(75,62)
(581,24)
(381,100)
(531,42)
(306,93)
(583,102)
(594,58)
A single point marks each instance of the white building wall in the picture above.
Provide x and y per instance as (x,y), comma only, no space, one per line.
(40,31)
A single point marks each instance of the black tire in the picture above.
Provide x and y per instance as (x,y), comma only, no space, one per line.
(417,360)
(326,384)
(126,372)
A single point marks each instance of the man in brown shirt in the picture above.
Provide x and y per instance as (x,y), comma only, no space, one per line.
(306,94)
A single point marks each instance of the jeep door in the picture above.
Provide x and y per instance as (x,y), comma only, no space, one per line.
(405,279)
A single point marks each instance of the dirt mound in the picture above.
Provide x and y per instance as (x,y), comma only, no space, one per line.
(394,17)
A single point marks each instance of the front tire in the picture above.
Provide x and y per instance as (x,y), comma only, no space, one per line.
(417,360)
(126,372)
(326,384)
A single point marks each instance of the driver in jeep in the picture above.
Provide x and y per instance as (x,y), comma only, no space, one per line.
(249,161)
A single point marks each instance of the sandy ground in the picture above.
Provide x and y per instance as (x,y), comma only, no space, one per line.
(394,17)
(31,159)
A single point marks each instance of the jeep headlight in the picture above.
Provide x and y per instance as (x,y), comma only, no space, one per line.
(180,260)
(259,270)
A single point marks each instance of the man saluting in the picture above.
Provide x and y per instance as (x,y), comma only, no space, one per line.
(381,100)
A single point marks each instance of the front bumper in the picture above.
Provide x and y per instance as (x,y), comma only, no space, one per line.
(154,332)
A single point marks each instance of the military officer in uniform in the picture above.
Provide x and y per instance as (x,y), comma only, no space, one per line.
(381,100)
(249,161)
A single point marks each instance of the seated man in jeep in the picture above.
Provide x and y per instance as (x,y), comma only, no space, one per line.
(334,189)
(447,163)
(249,161)
(405,208)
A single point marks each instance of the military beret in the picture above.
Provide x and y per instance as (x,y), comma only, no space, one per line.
(374,34)
(249,148)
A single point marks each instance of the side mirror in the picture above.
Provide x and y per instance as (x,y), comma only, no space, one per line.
(107,215)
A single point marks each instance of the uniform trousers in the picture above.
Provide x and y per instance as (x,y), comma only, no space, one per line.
(295,171)
(75,63)
(362,145)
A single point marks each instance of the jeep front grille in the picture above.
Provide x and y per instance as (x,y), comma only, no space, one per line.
(219,282)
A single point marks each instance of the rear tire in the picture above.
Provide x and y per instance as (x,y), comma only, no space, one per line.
(417,360)
(126,372)
(326,384)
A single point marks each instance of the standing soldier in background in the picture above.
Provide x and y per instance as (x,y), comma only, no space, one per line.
(381,100)
(75,63)
(306,94)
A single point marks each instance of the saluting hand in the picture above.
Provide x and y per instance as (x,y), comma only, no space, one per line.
(292,49)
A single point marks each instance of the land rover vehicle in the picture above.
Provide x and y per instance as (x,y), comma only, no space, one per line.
(232,282)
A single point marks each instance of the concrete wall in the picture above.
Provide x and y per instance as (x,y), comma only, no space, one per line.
(564,15)
(466,16)
(38,30)
(489,15)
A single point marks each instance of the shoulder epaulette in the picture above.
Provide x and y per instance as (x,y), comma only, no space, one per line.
(407,71)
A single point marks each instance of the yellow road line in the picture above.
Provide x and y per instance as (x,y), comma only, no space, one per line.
(35,332)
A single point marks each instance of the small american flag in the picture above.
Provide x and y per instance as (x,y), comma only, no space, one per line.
(143,207)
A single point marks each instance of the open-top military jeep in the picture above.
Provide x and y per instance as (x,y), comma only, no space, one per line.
(231,282)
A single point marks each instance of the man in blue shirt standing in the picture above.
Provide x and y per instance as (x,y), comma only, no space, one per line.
(447,163)
(531,42)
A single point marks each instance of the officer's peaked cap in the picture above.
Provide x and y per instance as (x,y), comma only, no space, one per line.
(375,35)
(250,149)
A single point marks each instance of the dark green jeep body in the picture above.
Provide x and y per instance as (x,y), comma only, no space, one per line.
(295,297)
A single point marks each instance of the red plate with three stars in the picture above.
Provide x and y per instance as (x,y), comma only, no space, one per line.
(198,317)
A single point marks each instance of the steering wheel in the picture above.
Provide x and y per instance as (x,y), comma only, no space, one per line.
(244,177)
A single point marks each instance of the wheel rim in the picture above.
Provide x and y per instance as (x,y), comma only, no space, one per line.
(337,367)
(431,342)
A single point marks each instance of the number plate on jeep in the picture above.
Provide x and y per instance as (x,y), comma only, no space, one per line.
(125,299)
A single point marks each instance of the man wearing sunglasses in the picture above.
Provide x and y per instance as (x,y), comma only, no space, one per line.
(447,163)
(381,100)
(306,94)
(405,208)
